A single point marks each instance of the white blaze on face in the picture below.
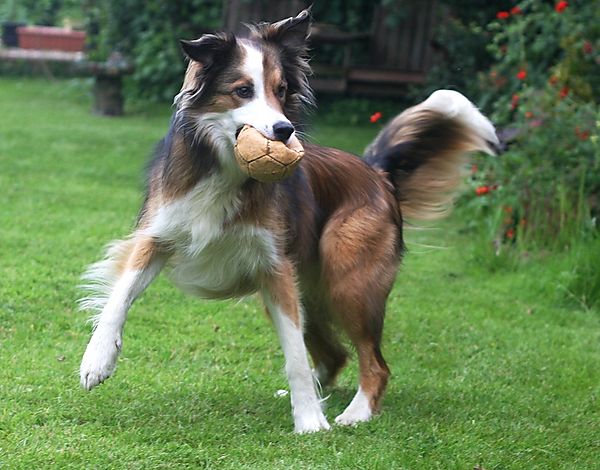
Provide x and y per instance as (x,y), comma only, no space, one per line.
(257,112)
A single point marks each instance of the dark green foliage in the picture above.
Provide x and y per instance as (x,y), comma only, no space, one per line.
(543,88)
(477,11)
(12,11)
(548,46)
(348,15)
(42,12)
(148,32)
(461,44)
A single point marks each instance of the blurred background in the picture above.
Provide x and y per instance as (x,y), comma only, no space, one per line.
(533,66)
(359,47)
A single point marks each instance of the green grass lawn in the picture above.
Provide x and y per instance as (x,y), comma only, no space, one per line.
(488,369)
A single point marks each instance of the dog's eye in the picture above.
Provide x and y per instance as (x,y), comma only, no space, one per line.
(281,91)
(245,92)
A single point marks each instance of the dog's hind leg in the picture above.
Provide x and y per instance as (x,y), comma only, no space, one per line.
(360,255)
(362,318)
(281,298)
(129,268)
(328,354)
(374,375)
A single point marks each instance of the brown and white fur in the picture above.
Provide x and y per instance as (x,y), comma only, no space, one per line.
(322,247)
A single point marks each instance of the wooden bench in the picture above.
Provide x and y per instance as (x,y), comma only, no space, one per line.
(108,86)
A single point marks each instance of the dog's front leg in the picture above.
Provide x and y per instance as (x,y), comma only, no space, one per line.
(137,268)
(283,304)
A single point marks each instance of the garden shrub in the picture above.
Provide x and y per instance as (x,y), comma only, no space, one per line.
(460,43)
(42,12)
(147,32)
(543,91)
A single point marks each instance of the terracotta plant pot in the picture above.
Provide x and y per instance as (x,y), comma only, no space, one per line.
(47,37)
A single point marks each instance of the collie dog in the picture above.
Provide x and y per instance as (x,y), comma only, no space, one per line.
(322,247)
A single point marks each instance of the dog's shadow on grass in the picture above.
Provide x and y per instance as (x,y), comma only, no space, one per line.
(178,410)
(215,409)
(417,404)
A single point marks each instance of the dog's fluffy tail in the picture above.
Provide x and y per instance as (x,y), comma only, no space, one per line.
(423,151)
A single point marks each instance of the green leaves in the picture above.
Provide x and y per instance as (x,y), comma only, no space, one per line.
(148,33)
(544,88)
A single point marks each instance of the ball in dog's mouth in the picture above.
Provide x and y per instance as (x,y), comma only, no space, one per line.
(264,159)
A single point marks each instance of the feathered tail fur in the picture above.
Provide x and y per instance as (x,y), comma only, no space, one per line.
(424,149)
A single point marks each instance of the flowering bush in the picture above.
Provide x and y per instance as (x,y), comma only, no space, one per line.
(543,92)
(376,116)
(540,44)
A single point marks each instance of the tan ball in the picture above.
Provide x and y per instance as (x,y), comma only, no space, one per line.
(266,160)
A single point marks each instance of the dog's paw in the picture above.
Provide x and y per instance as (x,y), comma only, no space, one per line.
(100,359)
(353,417)
(358,411)
(309,422)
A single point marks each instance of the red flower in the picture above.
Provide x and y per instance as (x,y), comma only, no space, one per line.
(481,190)
(522,74)
(516,11)
(510,234)
(375,117)
(582,135)
(528,115)
(564,92)
(587,47)
(514,101)
(561,6)
(502,15)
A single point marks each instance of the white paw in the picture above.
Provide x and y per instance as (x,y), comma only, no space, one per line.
(312,421)
(352,417)
(99,359)
(358,411)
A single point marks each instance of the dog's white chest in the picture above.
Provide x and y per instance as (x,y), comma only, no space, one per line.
(227,266)
(213,258)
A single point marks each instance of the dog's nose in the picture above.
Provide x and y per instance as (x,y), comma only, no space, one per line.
(282,130)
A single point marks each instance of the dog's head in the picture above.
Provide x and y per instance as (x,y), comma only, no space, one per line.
(259,80)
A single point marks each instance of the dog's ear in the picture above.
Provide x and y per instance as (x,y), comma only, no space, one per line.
(291,32)
(209,48)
